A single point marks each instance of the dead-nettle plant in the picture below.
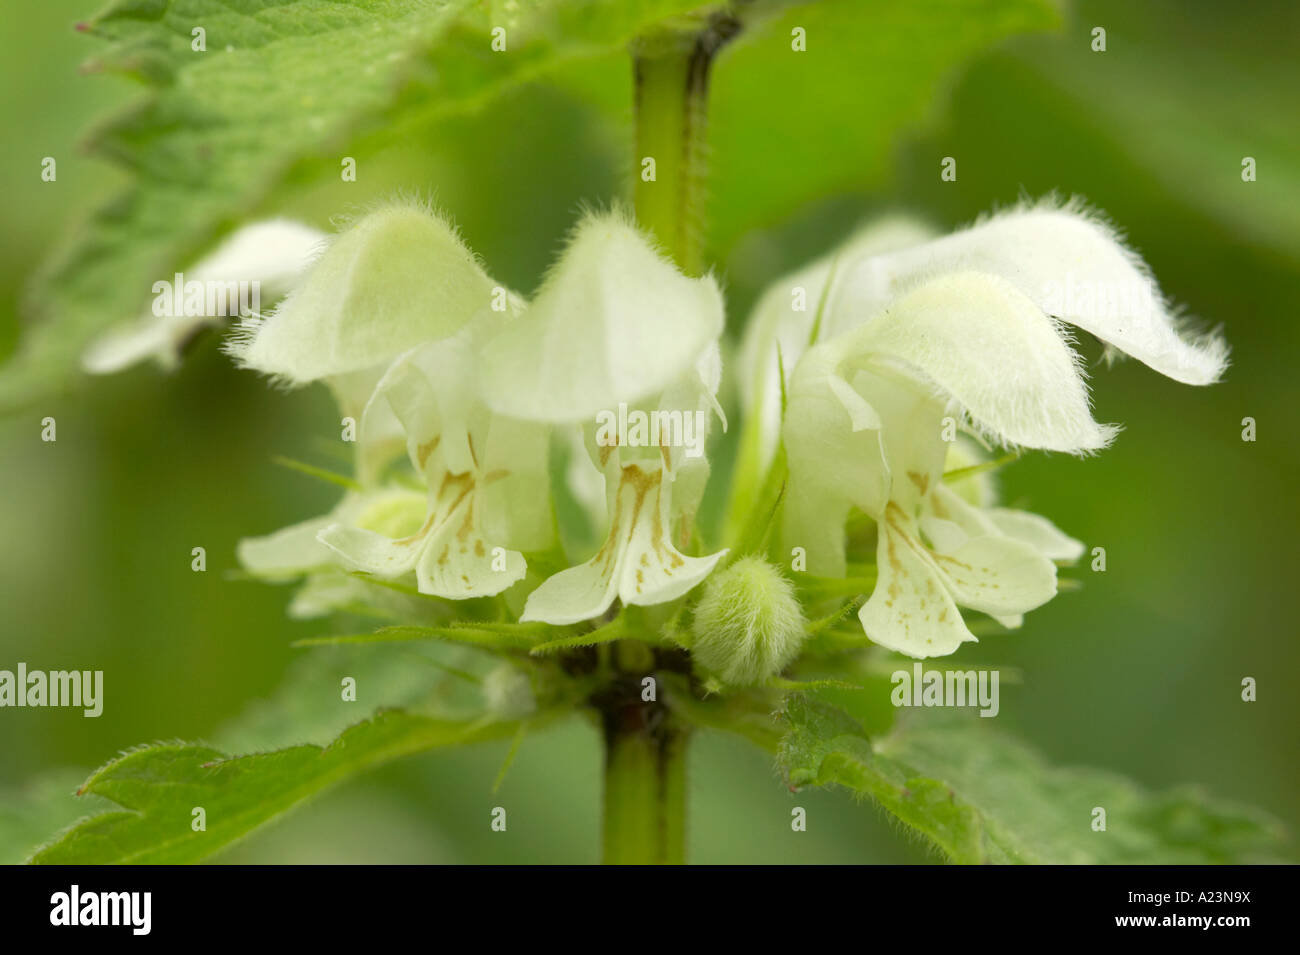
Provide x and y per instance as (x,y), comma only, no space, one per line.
(861,518)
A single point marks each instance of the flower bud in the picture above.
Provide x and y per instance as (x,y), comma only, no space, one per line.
(748,625)
(509,692)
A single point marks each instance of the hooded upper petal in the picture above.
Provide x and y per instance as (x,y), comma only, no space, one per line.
(979,340)
(1067,261)
(614,321)
(398,277)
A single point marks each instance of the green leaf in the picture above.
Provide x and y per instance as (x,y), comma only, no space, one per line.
(433,678)
(39,807)
(219,132)
(306,708)
(980,797)
(159,786)
(472,634)
(605,633)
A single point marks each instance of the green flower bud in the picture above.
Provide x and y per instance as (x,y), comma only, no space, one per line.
(748,626)
(509,692)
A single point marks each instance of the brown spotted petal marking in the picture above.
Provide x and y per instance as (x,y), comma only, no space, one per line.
(637,562)
(449,554)
(914,607)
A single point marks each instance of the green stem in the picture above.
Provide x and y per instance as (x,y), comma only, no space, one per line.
(645,747)
(672,87)
(645,794)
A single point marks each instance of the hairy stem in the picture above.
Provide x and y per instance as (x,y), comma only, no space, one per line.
(645,789)
(645,747)
(672,86)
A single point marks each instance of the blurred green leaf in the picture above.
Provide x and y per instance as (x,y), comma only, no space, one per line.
(41,806)
(981,798)
(790,127)
(280,81)
(306,709)
(1238,102)
(159,786)
(499,639)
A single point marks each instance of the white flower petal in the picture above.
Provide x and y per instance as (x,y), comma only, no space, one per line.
(859,444)
(1044,536)
(516,492)
(399,277)
(978,489)
(913,608)
(578,593)
(1075,267)
(911,436)
(458,563)
(997,575)
(910,610)
(288,552)
(449,553)
(981,341)
(326,592)
(782,321)
(985,569)
(862,416)
(614,321)
(832,465)
(379,435)
(653,571)
(944,505)
(296,550)
(152,336)
(430,390)
(360,549)
(637,563)
(943,535)
(273,254)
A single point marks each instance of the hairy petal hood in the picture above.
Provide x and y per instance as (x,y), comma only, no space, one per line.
(613,322)
(400,276)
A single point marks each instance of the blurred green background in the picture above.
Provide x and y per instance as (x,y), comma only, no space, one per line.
(1138,672)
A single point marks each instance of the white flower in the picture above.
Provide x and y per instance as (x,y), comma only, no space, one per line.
(475,377)
(618,329)
(957,328)
(398,277)
(296,551)
(274,254)
(793,313)
(392,317)
(1066,263)
(486,476)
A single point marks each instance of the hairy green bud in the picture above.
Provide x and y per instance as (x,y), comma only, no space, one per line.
(509,692)
(748,626)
